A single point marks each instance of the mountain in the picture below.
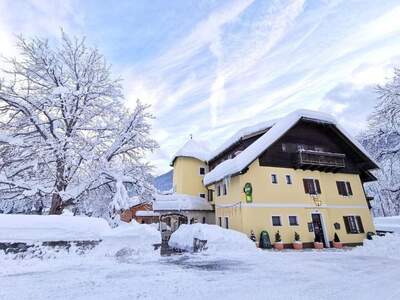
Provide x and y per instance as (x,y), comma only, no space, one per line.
(163,182)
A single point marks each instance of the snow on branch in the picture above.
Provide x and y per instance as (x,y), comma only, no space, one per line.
(65,134)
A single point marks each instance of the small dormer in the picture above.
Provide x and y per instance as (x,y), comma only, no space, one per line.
(190,166)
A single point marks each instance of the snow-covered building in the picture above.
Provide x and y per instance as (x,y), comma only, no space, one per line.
(302,173)
(189,196)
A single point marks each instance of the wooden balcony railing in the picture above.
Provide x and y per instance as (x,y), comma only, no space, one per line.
(319,159)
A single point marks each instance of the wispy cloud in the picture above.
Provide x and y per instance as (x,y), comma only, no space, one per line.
(208,68)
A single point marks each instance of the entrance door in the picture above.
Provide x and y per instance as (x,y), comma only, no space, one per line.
(318,229)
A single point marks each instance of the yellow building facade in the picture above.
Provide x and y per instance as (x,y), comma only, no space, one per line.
(188,176)
(301,173)
(285,200)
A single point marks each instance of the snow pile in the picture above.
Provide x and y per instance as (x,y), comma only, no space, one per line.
(219,240)
(192,149)
(180,202)
(128,240)
(391,224)
(381,246)
(123,242)
(35,228)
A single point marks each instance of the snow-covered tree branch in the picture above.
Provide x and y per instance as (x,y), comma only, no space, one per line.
(382,139)
(64,130)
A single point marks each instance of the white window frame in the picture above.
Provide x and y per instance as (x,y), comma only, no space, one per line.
(297,220)
(355,222)
(346,188)
(315,185)
(276,178)
(290,178)
(280,219)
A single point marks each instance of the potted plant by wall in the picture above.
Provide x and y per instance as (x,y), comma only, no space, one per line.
(336,242)
(297,244)
(318,242)
(278,245)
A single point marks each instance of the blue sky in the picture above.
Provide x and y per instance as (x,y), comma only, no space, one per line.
(209,68)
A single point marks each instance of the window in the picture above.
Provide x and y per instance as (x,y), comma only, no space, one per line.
(204,220)
(288,179)
(311,186)
(293,221)
(276,221)
(353,224)
(218,190)
(220,221)
(224,189)
(344,188)
(274,178)
(210,195)
(202,196)
(226,222)
(202,171)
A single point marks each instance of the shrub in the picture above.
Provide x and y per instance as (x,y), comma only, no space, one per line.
(296,237)
(278,238)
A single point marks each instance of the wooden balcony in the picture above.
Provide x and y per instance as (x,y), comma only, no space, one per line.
(318,160)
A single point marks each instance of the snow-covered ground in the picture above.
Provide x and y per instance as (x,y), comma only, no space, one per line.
(116,270)
(391,224)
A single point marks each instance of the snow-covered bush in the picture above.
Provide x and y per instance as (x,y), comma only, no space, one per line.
(219,240)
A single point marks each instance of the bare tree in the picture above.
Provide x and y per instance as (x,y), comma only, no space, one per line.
(382,139)
(64,130)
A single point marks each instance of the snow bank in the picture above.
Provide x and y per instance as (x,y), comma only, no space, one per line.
(129,239)
(391,224)
(382,246)
(219,240)
(34,228)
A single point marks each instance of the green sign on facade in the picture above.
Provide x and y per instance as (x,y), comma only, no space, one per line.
(248,190)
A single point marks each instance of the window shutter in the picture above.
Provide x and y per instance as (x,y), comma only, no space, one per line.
(339,187)
(360,225)
(317,186)
(346,224)
(306,186)
(349,188)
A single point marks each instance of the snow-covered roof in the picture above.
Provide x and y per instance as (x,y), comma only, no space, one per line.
(146,213)
(192,149)
(280,127)
(243,134)
(180,202)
